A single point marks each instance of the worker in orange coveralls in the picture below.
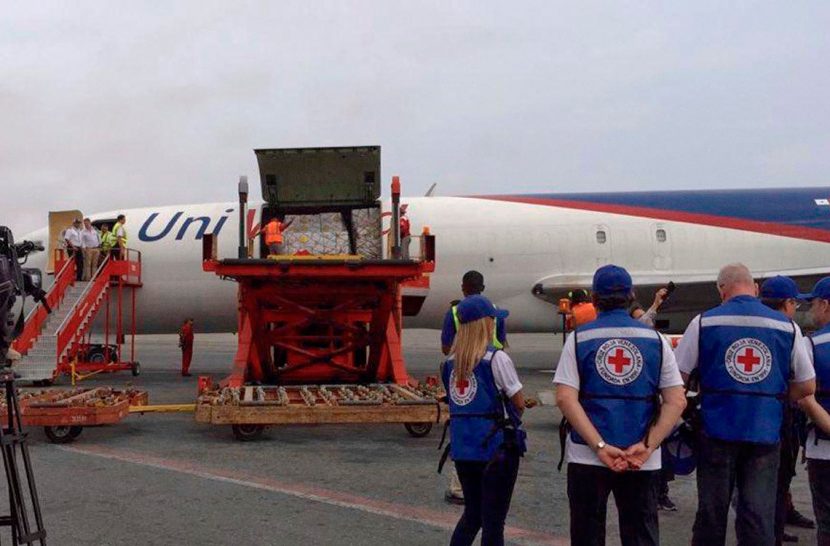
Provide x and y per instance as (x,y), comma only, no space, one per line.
(186,344)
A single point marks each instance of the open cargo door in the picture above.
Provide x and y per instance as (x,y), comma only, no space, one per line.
(320,177)
(59,220)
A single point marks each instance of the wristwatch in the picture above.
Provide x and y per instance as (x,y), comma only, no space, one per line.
(600,445)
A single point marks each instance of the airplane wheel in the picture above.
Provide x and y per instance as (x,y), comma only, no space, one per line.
(62,434)
(247,433)
(136,369)
(418,430)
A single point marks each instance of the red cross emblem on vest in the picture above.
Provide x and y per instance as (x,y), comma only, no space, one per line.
(748,359)
(618,360)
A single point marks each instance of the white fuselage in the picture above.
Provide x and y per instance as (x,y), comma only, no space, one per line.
(515,246)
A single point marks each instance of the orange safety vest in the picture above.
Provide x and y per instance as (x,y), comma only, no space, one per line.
(273,232)
(583,313)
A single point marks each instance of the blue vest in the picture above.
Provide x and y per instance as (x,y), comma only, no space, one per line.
(619,361)
(476,408)
(821,359)
(744,361)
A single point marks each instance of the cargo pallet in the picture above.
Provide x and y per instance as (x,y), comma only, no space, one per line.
(250,409)
(63,413)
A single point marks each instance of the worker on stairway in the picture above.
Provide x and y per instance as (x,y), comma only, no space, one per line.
(74,247)
(91,243)
(619,388)
(119,251)
(472,284)
(486,402)
(186,345)
(108,241)
(748,359)
(817,407)
(273,231)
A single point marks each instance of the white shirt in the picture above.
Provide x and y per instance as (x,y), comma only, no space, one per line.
(73,236)
(504,373)
(567,373)
(89,238)
(687,353)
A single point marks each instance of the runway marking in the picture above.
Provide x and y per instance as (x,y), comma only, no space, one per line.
(403,512)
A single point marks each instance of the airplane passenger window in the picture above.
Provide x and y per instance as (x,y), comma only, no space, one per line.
(601,238)
(661,235)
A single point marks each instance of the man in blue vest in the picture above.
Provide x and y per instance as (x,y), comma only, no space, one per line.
(782,294)
(472,284)
(817,447)
(618,385)
(749,358)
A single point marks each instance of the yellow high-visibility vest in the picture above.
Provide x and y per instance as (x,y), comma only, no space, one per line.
(496,343)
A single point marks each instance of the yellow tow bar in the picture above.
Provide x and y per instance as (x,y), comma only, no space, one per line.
(164,408)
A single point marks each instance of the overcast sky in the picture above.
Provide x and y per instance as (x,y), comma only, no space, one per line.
(113,105)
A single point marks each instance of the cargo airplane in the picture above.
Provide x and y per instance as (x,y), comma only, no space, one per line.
(532,249)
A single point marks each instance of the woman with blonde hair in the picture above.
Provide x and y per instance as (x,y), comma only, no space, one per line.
(486,402)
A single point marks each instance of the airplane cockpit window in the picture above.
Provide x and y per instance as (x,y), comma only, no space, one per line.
(661,235)
(601,237)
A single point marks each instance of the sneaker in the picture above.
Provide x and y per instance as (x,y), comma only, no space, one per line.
(665,503)
(453,499)
(797,519)
(789,538)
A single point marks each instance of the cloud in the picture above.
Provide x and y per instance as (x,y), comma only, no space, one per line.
(108,106)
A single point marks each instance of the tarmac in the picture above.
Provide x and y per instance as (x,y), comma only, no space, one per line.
(165,479)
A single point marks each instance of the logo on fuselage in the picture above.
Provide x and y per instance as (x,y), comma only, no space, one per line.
(619,362)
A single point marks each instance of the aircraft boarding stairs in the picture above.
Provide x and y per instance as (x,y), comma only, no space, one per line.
(51,342)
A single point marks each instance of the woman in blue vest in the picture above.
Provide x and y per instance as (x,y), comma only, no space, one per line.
(485,401)
(817,447)
(619,387)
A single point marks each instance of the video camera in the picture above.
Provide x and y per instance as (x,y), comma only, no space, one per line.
(16,280)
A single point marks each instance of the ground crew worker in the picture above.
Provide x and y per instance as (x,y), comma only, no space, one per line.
(782,294)
(472,283)
(406,233)
(609,381)
(647,316)
(119,251)
(108,241)
(186,345)
(582,309)
(485,400)
(748,358)
(273,235)
(817,447)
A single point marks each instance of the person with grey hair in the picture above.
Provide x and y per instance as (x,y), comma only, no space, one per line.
(748,359)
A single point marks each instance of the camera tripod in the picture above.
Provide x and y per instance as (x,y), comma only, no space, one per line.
(12,440)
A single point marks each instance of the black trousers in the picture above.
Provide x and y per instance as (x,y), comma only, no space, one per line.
(635,494)
(723,466)
(77,254)
(790,446)
(819,473)
(488,488)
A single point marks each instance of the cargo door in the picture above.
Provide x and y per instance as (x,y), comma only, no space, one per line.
(59,220)
(319,177)
(661,244)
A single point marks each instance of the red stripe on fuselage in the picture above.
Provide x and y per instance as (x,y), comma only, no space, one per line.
(772,228)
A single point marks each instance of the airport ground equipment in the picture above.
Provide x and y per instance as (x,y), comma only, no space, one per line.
(63,342)
(63,413)
(324,316)
(249,409)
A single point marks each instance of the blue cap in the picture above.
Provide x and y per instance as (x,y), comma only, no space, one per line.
(820,290)
(477,307)
(610,280)
(780,287)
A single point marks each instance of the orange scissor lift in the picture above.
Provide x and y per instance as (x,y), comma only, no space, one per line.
(319,342)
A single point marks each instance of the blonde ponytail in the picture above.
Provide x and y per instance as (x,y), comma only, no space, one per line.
(471,342)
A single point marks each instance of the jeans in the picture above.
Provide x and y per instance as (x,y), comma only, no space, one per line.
(635,494)
(786,471)
(488,488)
(819,473)
(753,468)
(275,249)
